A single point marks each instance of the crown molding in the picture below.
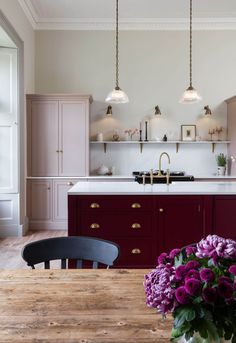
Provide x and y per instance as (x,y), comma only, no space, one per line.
(126,24)
(30,13)
(138,24)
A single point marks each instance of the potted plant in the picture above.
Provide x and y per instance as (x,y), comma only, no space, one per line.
(221,163)
(198,286)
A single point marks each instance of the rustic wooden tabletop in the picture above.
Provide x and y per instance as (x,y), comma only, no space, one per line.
(79,306)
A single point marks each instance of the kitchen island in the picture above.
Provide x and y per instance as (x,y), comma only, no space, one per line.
(146,220)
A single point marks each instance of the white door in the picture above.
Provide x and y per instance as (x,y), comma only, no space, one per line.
(8,121)
(73,138)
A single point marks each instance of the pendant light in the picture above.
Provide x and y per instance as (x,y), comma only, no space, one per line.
(190,95)
(117,96)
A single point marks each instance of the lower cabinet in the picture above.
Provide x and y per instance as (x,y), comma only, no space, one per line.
(143,226)
(224,216)
(47,203)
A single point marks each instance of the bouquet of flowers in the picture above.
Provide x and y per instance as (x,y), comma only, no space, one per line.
(198,286)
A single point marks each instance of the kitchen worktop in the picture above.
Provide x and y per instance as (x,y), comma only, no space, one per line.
(175,188)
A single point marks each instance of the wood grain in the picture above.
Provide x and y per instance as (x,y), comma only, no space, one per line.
(79,306)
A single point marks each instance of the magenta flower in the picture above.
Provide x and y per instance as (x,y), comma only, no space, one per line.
(192,265)
(232,269)
(206,274)
(225,279)
(190,250)
(209,295)
(192,273)
(225,290)
(214,246)
(180,273)
(174,253)
(181,295)
(163,258)
(193,286)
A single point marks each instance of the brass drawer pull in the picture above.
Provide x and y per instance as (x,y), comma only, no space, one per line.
(161,210)
(94,226)
(136,226)
(136,205)
(70,183)
(94,205)
(136,251)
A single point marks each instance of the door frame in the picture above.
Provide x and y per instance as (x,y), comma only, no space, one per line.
(9,29)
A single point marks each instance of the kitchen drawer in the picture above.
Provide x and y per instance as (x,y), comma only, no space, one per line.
(102,203)
(136,253)
(116,225)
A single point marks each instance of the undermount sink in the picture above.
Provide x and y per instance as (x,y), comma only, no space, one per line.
(185,178)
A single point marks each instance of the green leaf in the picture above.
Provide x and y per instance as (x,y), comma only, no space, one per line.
(178,260)
(182,315)
(234,338)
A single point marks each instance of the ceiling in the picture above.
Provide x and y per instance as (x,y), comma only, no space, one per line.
(99,14)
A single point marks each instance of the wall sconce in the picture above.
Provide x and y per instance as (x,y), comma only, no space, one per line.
(157,111)
(109,111)
(208,111)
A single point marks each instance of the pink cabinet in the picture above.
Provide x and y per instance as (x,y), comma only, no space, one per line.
(39,200)
(58,135)
(60,189)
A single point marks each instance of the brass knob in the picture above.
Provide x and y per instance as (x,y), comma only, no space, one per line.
(70,183)
(61,151)
(49,188)
(136,251)
(94,205)
(136,226)
(57,151)
(161,210)
(136,205)
(94,226)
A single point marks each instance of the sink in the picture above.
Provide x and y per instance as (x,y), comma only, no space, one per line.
(139,179)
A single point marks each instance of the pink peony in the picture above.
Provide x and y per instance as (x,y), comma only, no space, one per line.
(192,265)
(193,286)
(209,295)
(206,274)
(174,253)
(232,269)
(181,295)
(190,250)
(225,290)
(192,273)
(214,246)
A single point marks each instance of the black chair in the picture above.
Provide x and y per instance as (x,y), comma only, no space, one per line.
(77,248)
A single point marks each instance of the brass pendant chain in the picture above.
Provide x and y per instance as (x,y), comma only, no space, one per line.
(190,45)
(117,47)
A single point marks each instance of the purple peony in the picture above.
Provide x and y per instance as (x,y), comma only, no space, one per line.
(224,279)
(163,258)
(190,250)
(214,246)
(180,273)
(174,253)
(192,273)
(225,290)
(192,265)
(209,295)
(181,295)
(206,274)
(232,269)
(193,286)
(158,288)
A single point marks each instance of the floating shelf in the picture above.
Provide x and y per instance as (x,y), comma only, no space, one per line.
(177,143)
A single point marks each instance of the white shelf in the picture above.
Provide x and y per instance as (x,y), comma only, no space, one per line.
(177,143)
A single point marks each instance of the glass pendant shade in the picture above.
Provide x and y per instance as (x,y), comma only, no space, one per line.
(117,96)
(190,96)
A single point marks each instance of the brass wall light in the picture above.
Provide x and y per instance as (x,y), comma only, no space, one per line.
(157,111)
(208,111)
(117,96)
(190,95)
(109,111)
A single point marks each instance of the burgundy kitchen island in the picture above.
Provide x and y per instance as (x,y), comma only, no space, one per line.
(146,220)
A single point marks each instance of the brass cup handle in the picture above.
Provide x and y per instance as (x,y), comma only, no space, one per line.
(136,205)
(136,251)
(161,210)
(94,205)
(70,183)
(136,226)
(94,226)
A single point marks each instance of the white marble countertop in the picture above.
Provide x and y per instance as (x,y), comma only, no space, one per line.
(175,188)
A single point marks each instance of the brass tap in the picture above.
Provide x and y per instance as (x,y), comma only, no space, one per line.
(167,170)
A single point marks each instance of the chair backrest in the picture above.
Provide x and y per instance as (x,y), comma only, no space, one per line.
(78,248)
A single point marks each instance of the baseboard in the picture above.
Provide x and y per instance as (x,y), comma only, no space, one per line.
(36,226)
(10,230)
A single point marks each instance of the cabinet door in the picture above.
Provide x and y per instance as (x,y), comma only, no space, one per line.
(73,138)
(60,189)
(43,138)
(224,216)
(39,200)
(180,221)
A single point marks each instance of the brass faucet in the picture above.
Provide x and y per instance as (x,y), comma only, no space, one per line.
(159,171)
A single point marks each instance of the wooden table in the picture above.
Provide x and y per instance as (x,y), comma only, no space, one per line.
(79,306)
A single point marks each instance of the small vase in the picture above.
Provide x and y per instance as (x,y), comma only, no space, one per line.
(221,171)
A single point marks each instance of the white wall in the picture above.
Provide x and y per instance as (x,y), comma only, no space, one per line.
(153,70)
